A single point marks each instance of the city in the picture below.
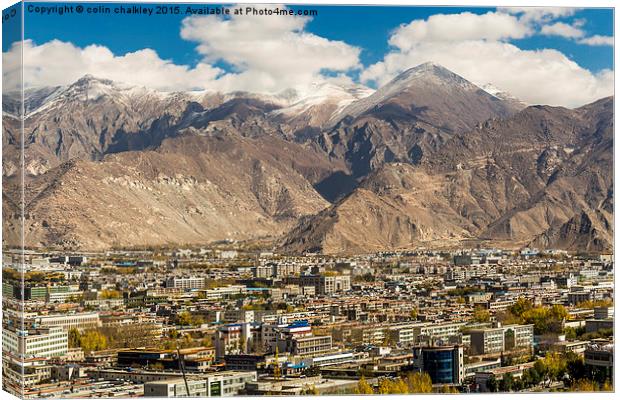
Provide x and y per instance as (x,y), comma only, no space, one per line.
(204,200)
(233,319)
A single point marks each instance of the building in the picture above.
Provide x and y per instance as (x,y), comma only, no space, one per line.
(581,296)
(600,357)
(40,342)
(220,384)
(603,312)
(481,366)
(444,364)
(308,346)
(235,339)
(177,388)
(487,341)
(518,336)
(78,320)
(190,282)
(25,372)
(516,371)
(595,325)
(241,315)
(62,293)
(573,346)
(442,331)
(497,340)
(325,285)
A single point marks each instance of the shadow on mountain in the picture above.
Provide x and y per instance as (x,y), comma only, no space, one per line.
(336,186)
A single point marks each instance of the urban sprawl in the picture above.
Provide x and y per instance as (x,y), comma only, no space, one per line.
(231,320)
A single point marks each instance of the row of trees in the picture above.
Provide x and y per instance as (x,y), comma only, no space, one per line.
(568,368)
(545,319)
(91,340)
(133,335)
(413,382)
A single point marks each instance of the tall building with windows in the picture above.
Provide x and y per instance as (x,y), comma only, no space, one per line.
(41,342)
(444,364)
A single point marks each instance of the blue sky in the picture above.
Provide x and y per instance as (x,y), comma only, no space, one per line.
(336,22)
(365,28)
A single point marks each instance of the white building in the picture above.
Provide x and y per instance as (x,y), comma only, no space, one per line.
(78,320)
(42,342)
(220,384)
(190,282)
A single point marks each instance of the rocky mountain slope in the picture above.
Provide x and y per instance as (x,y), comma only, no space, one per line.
(427,160)
(414,114)
(541,177)
(191,189)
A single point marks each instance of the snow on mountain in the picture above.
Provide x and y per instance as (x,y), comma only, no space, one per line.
(502,95)
(322,102)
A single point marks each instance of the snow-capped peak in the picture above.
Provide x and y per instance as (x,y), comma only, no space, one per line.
(501,94)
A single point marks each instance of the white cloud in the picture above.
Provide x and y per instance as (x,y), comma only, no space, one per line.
(536,76)
(60,63)
(597,40)
(539,14)
(458,27)
(268,54)
(562,29)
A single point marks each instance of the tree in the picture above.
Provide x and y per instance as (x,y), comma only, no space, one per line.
(520,307)
(157,366)
(481,315)
(93,341)
(312,391)
(530,377)
(184,318)
(110,294)
(507,382)
(363,387)
(492,384)
(419,382)
(575,367)
(518,385)
(448,389)
(74,338)
(555,364)
(385,386)
(584,385)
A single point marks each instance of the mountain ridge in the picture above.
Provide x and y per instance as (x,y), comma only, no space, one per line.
(429,159)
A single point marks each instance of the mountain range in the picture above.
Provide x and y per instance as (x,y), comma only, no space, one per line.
(427,160)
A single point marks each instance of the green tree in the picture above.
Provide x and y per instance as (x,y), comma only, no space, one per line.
(492,384)
(74,338)
(506,384)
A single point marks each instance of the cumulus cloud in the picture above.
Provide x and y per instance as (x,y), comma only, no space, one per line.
(59,63)
(458,27)
(543,76)
(562,29)
(597,40)
(266,54)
